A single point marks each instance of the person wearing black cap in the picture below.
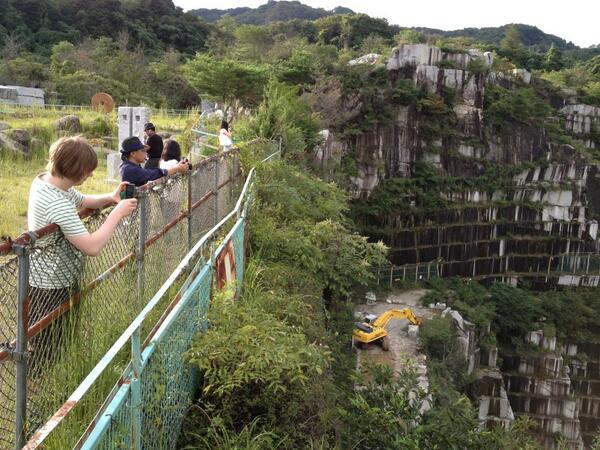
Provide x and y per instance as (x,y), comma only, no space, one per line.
(155,142)
(133,154)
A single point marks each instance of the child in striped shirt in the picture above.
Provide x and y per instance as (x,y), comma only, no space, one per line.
(56,259)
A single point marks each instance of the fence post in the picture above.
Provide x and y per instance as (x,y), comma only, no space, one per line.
(189,208)
(20,353)
(232,176)
(136,362)
(216,189)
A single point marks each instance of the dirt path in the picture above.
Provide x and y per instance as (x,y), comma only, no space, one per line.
(403,351)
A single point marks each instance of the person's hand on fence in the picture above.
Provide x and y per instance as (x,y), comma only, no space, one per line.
(116,195)
(182,167)
(125,207)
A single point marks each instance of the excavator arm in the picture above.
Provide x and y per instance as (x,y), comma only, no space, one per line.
(405,313)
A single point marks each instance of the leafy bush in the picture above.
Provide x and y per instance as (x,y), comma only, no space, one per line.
(284,114)
(303,224)
(477,66)
(405,92)
(502,106)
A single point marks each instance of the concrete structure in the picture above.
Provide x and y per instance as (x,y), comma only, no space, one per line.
(131,121)
(20,95)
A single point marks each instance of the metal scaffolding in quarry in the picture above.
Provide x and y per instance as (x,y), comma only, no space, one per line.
(150,287)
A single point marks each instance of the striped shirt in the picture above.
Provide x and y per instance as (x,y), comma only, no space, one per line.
(55,262)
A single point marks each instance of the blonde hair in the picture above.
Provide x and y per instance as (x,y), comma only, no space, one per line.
(72,158)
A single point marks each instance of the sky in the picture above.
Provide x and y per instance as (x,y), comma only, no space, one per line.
(578,22)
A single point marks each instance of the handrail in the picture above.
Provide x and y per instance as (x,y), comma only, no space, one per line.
(206,133)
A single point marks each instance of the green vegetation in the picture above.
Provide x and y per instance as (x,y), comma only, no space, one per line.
(506,313)
(277,367)
(503,106)
(269,12)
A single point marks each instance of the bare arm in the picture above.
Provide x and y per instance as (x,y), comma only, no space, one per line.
(91,243)
(181,167)
(102,200)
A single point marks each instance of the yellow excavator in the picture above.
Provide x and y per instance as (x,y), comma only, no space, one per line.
(373,329)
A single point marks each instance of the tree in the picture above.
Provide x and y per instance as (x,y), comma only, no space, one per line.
(409,36)
(283,113)
(511,43)
(554,58)
(226,80)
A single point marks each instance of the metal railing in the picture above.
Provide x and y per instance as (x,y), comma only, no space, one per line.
(548,266)
(50,339)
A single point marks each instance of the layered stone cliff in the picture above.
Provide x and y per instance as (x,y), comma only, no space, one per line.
(513,198)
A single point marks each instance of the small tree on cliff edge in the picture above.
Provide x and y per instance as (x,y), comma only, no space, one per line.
(511,44)
(553,59)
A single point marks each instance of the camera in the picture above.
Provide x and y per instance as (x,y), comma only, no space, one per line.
(189,163)
(128,192)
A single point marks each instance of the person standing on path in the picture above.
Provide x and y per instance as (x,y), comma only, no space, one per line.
(225,139)
(155,144)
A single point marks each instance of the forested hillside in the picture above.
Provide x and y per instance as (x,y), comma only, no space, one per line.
(272,11)
(149,50)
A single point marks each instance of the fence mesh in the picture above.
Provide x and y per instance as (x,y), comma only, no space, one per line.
(168,384)
(8,320)
(79,306)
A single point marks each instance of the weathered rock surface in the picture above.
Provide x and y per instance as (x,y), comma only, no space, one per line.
(423,54)
(369,59)
(68,124)
(16,140)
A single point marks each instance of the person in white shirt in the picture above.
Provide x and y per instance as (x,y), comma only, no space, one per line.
(171,155)
(225,136)
(171,197)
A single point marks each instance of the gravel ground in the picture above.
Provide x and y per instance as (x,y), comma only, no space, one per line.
(403,349)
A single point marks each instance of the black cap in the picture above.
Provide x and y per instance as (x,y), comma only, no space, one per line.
(149,126)
(131,144)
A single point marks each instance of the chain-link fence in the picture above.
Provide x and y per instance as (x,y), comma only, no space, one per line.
(60,312)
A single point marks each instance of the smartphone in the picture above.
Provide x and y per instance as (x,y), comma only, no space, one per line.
(128,192)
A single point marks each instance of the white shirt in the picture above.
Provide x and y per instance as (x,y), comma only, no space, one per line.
(224,139)
(167,164)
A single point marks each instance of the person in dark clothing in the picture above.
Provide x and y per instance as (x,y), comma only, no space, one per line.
(155,143)
(133,154)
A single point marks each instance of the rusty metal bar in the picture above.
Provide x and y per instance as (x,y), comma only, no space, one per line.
(136,350)
(20,352)
(190,218)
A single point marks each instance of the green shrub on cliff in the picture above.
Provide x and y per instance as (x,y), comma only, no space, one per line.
(282,113)
(503,106)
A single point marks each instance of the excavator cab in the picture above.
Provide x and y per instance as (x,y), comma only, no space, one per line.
(370,318)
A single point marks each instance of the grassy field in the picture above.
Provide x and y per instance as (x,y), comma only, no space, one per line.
(16,175)
(16,171)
